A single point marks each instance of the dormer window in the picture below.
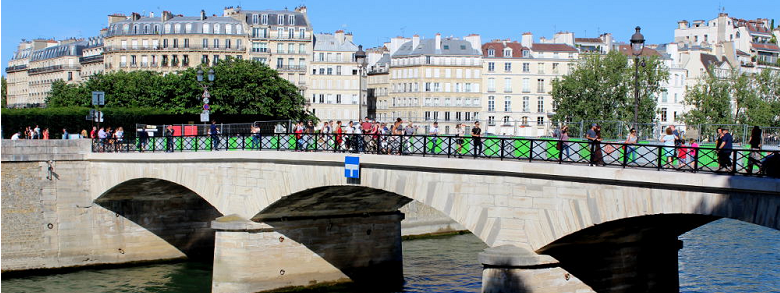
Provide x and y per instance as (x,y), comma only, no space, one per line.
(491,52)
(205,28)
(281,19)
(216,28)
(525,53)
(463,47)
(507,52)
(292,19)
(187,28)
(446,47)
(255,18)
(264,19)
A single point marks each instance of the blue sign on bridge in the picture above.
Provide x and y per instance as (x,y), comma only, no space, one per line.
(352,167)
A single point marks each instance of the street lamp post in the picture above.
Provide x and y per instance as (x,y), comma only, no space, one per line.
(204,116)
(637,45)
(360,57)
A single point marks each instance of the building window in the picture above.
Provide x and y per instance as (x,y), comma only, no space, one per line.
(540,85)
(526,67)
(205,43)
(491,104)
(540,105)
(508,66)
(255,19)
(301,33)
(540,120)
(491,53)
(280,19)
(427,115)
(186,43)
(555,67)
(507,104)
(491,66)
(264,19)
(491,84)
(663,114)
(292,19)
(526,101)
(216,43)
(507,85)
(507,52)
(526,85)
(506,120)
(491,120)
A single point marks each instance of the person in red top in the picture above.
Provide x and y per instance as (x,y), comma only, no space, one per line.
(93,133)
(339,132)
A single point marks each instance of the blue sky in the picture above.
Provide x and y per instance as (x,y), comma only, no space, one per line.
(378,21)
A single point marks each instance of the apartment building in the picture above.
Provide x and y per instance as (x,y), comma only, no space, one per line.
(334,80)
(282,39)
(435,80)
(378,82)
(92,57)
(16,73)
(60,62)
(744,37)
(171,42)
(518,80)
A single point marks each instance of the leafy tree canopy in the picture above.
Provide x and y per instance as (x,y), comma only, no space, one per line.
(240,87)
(601,87)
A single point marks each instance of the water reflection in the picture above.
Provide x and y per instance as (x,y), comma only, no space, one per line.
(724,256)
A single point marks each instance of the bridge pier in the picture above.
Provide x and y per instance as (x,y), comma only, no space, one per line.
(277,253)
(509,268)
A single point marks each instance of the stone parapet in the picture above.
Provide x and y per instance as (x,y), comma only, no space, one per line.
(31,150)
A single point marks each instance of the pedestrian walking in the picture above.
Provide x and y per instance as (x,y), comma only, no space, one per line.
(169,138)
(564,142)
(598,156)
(64,133)
(591,136)
(693,148)
(214,132)
(476,138)
(256,140)
(630,146)
(668,140)
(460,132)
(717,146)
(339,136)
(755,149)
(724,151)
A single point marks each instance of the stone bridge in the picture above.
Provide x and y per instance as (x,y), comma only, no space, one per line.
(292,219)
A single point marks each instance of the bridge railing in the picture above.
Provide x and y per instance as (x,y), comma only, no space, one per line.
(643,155)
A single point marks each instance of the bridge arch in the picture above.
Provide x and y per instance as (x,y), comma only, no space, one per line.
(172,212)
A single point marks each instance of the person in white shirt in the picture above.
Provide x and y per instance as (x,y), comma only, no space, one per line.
(435,129)
(15,136)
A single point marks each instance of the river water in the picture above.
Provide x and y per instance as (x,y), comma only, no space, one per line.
(724,256)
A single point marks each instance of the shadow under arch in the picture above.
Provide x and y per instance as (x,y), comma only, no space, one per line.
(171,211)
(355,229)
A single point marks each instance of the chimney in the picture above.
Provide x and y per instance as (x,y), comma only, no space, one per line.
(415,41)
(151,14)
(166,15)
(112,18)
(683,24)
(348,37)
(339,35)
(527,40)
(301,9)
(135,16)
(202,15)
(437,42)
(476,42)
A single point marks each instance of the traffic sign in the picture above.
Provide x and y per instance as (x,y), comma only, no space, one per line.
(352,167)
(206,107)
(204,116)
(98,98)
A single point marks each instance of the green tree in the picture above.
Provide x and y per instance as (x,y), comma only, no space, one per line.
(601,87)
(739,98)
(240,87)
(4,102)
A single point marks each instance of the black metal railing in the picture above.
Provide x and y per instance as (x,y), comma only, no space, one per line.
(647,156)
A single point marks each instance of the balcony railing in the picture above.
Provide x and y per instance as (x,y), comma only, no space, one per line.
(53,68)
(90,59)
(16,68)
(160,48)
(291,67)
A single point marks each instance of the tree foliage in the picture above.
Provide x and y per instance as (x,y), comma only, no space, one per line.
(240,87)
(739,98)
(601,87)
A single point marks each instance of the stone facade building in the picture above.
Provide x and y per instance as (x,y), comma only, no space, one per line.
(334,87)
(518,80)
(435,80)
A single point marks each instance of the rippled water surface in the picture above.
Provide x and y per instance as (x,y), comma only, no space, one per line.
(724,256)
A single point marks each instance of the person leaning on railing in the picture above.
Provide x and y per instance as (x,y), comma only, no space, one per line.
(564,143)
(630,149)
